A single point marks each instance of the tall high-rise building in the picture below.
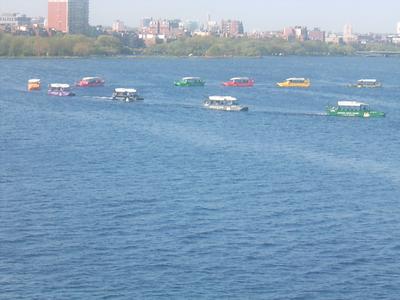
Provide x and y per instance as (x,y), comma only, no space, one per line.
(348,36)
(69,16)
(57,17)
(398,28)
(348,30)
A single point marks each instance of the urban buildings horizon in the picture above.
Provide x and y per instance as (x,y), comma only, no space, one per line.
(72,16)
(367,18)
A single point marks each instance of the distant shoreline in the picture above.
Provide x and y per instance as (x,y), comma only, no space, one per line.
(186,57)
(104,46)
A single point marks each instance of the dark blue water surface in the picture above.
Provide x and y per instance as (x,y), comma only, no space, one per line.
(166,200)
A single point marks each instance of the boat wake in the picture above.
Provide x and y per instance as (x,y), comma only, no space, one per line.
(98,97)
(291,113)
(197,106)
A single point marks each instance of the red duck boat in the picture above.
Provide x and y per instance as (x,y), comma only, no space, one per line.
(239,82)
(90,82)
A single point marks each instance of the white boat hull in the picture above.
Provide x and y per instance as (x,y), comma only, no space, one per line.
(227,107)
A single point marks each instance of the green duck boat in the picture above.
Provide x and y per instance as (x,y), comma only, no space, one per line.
(353,109)
(190,81)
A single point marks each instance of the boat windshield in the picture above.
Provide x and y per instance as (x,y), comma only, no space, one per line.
(192,80)
(241,80)
(124,94)
(354,108)
(60,88)
(297,80)
(221,102)
(368,82)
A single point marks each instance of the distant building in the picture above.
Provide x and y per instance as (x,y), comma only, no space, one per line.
(333,38)
(58,15)
(118,26)
(398,28)
(154,27)
(190,26)
(289,34)
(316,35)
(301,33)
(164,27)
(265,34)
(155,31)
(365,39)
(8,20)
(213,27)
(78,16)
(396,40)
(38,21)
(347,30)
(144,23)
(374,38)
(69,16)
(348,36)
(14,20)
(232,28)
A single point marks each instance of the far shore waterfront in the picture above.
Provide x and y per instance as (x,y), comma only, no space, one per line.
(372,55)
(77,46)
(112,57)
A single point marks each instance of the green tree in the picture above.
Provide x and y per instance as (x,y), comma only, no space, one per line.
(108,45)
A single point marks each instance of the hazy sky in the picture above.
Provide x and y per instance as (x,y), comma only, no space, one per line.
(364,15)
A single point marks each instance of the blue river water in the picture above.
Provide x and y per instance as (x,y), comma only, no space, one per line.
(166,200)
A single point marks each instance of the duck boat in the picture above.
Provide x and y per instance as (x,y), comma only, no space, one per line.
(367,83)
(126,95)
(353,109)
(295,83)
(60,90)
(34,85)
(224,103)
(239,82)
(90,82)
(190,82)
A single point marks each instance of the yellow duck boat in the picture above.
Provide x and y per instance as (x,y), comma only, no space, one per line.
(295,82)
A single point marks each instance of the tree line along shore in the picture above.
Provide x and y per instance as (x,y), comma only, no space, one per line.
(106,45)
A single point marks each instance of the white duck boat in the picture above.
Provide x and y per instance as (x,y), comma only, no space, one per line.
(225,103)
(127,95)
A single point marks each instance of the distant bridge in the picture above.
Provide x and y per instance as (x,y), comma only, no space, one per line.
(378,53)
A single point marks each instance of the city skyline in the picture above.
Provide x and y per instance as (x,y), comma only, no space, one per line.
(256,15)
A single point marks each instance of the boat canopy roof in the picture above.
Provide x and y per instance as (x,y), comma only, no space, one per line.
(191,78)
(90,78)
(34,81)
(300,79)
(351,103)
(368,81)
(59,85)
(124,90)
(240,78)
(222,98)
